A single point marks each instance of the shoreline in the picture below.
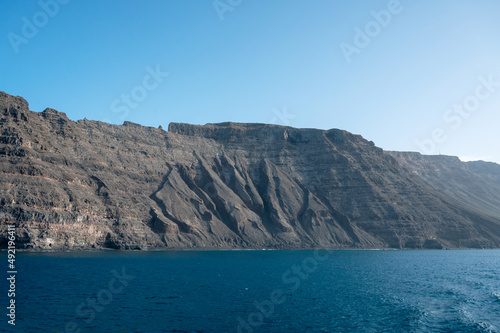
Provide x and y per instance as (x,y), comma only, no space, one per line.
(239,249)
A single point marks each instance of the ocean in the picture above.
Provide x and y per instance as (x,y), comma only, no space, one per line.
(255,291)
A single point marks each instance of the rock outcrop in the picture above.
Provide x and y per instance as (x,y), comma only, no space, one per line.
(88,184)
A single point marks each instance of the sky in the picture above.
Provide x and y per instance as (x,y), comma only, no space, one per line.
(410,75)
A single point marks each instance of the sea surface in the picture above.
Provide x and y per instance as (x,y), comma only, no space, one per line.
(256,291)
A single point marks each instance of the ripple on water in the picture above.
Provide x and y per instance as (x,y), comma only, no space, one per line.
(352,291)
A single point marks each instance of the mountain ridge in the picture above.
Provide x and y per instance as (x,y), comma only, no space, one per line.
(92,185)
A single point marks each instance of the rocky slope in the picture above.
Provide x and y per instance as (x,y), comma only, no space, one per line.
(88,184)
(474,185)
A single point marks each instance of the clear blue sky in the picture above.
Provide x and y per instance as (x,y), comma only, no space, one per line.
(280,61)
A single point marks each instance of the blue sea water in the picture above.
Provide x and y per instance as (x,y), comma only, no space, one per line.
(256,291)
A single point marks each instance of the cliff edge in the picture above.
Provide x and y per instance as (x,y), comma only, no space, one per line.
(92,185)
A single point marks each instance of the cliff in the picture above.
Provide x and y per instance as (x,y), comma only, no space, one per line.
(88,184)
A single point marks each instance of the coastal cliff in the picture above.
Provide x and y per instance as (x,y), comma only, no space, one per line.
(93,185)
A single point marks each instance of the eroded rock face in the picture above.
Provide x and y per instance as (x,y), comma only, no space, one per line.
(88,184)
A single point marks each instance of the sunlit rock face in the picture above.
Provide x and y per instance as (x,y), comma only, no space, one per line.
(92,185)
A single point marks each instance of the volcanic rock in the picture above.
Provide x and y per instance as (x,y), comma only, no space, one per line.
(93,185)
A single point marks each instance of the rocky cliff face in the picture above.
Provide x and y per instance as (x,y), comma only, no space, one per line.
(88,184)
(471,185)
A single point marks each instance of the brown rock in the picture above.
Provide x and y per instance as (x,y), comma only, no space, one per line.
(88,184)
